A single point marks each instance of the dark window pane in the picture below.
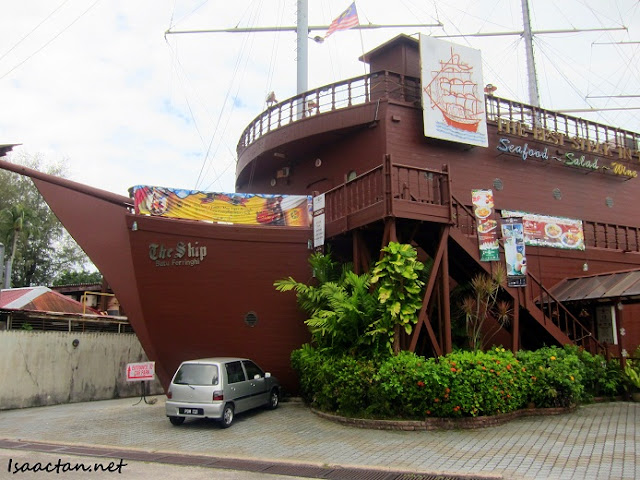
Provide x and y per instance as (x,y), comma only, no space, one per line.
(197,374)
(234,372)
(252,369)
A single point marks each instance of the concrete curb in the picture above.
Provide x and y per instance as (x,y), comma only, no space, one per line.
(465,423)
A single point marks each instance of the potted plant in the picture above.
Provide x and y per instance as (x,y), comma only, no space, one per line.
(631,372)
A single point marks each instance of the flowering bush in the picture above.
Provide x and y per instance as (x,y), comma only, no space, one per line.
(460,384)
(474,384)
(556,376)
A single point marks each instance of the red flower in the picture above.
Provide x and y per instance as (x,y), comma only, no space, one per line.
(453,369)
(508,367)
(428,412)
(420,383)
(436,400)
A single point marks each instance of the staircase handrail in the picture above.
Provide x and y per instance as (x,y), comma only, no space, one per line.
(573,328)
(547,298)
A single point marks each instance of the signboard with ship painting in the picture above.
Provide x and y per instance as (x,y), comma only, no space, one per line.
(452,92)
(548,231)
(487,227)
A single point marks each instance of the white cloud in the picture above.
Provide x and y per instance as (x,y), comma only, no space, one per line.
(102,87)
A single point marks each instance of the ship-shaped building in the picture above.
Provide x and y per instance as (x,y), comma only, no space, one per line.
(564,188)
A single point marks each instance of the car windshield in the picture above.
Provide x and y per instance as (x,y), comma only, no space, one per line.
(197,374)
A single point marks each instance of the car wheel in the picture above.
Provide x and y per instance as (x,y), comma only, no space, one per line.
(274,399)
(177,421)
(227,416)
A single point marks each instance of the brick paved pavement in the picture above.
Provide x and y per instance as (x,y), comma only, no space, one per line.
(596,441)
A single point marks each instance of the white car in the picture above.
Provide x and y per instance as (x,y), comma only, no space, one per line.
(219,388)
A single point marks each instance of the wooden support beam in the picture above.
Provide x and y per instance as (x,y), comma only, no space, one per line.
(446,303)
(355,245)
(389,234)
(423,318)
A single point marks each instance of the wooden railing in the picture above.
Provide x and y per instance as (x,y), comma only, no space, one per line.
(557,313)
(336,96)
(611,236)
(393,86)
(537,295)
(383,186)
(535,117)
(349,198)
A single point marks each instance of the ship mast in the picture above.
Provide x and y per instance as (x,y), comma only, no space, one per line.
(534,96)
(302,29)
(302,42)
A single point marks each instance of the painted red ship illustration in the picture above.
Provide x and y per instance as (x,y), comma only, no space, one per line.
(193,288)
(454,92)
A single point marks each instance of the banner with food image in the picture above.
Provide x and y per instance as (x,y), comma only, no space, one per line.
(237,208)
(548,231)
(487,227)
(516,261)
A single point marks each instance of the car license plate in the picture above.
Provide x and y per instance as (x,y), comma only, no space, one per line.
(191,411)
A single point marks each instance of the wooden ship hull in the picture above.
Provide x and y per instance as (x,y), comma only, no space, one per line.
(362,145)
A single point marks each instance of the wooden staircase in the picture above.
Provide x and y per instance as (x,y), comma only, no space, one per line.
(535,300)
(396,202)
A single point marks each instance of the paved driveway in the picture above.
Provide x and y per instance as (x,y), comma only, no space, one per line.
(597,441)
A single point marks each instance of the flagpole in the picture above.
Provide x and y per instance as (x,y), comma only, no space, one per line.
(364,64)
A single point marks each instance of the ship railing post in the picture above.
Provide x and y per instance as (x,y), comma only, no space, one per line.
(388,185)
(367,88)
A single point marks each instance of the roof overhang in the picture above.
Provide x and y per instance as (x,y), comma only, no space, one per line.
(621,286)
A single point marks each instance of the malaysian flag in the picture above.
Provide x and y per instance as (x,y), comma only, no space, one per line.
(346,20)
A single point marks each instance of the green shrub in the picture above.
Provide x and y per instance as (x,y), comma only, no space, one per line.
(477,384)
(556,376)
(397,390)
(601,378)
(461,384)
(333,383)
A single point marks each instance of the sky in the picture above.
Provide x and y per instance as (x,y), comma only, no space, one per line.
(100,86)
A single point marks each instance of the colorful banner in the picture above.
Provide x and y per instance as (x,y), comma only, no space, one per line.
(240,208)
(547,231)
(513,236)
(487,227)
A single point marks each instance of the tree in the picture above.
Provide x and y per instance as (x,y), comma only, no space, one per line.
(43,248)
(78,278)
(16,222)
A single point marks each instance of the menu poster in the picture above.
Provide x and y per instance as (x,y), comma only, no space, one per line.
(513,236)
(487,227)
(547,231)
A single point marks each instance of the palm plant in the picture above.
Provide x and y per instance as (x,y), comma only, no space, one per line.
(482,304)
(340,305)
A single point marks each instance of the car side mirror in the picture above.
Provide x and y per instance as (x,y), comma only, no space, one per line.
(267,375)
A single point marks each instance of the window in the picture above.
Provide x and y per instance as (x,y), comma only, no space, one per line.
(235,373)
(252,369)
(197,374)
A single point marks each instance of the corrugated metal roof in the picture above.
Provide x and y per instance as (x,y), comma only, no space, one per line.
(41,299)
(616,285)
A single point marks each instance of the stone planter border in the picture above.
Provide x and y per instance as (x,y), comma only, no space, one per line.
(465,423)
